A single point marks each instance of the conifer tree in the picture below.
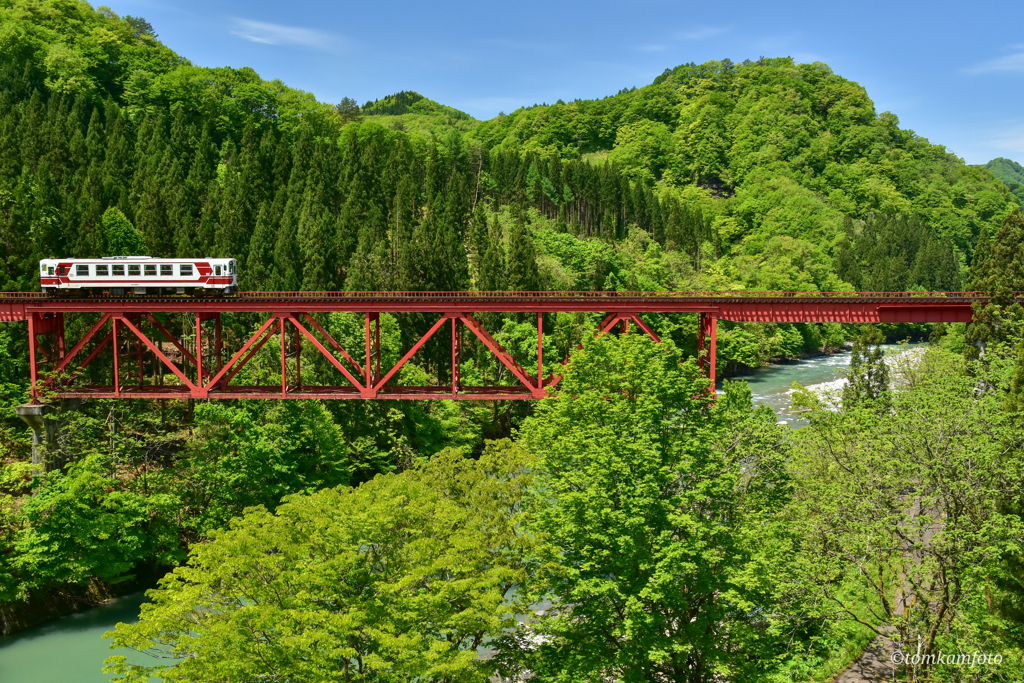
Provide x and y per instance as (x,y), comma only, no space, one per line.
(259,272)
(867,380)
(521,260)
(492,265)
(479,237)
(998,270)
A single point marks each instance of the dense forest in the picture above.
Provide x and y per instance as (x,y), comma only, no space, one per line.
(679,537)
(1011,173)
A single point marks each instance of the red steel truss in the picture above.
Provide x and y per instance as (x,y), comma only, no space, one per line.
(129,327)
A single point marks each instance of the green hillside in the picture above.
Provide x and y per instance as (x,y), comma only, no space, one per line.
(1011,173)
(413,113)
(781,148)
(682,534)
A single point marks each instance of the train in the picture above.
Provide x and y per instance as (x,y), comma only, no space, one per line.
(120,275)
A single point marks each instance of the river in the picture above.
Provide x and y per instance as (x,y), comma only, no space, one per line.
(72,650)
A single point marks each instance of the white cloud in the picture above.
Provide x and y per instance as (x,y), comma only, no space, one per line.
(276,34)
(1011,63)
(651,48)
(702,32)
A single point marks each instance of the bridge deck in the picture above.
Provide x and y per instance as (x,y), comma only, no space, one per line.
(851,307)
(141,358)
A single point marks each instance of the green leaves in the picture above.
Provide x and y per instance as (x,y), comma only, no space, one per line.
(909,517)
(401,578)
(123,239)
(641,507)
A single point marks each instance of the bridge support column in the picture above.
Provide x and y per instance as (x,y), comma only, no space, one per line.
(43,431)
(707,333)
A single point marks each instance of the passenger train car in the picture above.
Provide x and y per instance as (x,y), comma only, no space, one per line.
(120,275)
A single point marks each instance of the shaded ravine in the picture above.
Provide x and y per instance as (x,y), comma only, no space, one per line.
(70,649)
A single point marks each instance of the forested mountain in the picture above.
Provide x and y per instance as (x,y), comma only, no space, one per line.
(1011,173)
(685,537)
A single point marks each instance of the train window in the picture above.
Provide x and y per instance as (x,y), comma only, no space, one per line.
(149,269)
(216,270)
(51,270)
(166,269)
(61,271)
(185,269)
(117,270)
(101,271)
(133,270)
(82,271)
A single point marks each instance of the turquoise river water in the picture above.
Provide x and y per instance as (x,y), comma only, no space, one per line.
(72,649)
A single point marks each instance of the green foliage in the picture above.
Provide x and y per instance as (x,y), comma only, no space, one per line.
(77,528)
(401,578)
(408,102)
(998,270)
(892,254)
(123,239)
(1011,173)
(867,380)
(910,516)
(644,509)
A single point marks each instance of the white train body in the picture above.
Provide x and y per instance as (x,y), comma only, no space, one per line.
(140,275)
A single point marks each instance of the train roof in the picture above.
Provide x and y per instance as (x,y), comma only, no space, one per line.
(144,258)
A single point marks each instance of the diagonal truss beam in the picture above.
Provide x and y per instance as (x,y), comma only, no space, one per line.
(171,338)
(204,391)
(81,344)
(335,344)
(156,351)
(372,392)
(320,347)
(499,351)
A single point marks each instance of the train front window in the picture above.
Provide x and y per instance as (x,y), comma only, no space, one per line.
(117,271)
(101,271)
(82,271)
(149,270)
(51,270)
(166,269)
(185,270)
(133,270)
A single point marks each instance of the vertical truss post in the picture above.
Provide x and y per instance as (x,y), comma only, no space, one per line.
(369,371)
(376,351)
(540,350)
(711,355)
(138,353)
(33,369)
(297,342)
(59,328)
(117,369)
(218,341)
(706,342)
(456,357)
(284,367)
(199,349)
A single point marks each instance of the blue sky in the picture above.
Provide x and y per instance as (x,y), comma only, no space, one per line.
(952,72)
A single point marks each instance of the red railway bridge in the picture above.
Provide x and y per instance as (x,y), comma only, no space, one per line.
(205,372)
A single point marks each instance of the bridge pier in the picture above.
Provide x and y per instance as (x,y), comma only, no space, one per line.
(44,432)
(44,420)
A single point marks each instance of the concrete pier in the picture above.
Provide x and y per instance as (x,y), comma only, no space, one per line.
(43,427)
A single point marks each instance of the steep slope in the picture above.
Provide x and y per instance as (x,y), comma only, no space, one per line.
(784,148)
